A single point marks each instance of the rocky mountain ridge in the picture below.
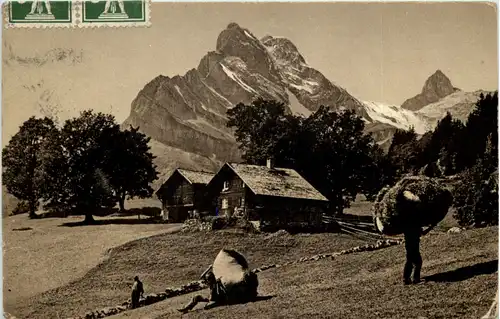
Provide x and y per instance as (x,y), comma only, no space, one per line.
(188,112)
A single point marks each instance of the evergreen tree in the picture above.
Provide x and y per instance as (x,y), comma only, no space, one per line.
(482,122)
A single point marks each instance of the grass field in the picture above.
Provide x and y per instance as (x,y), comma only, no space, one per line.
(43,254)
(68,263)
(460,270)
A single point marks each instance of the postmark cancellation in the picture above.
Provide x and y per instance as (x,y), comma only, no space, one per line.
(79,14)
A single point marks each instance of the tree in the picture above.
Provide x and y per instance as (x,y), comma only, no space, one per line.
(328,148)
(482,122)
(404,152)
(476,196)
(129,164)
(445,145)
(259,128)
(340,157)
(84,185)
(23,161)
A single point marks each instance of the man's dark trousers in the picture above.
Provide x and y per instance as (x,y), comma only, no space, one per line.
(413,258)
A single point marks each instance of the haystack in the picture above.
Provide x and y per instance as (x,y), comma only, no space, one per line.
(413,201)
(232,269)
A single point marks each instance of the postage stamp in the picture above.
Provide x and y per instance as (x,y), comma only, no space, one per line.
(39,13)
(87,13)
(120,12)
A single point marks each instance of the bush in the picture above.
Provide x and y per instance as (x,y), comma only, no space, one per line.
(21,208)
(223,222)
(476,197)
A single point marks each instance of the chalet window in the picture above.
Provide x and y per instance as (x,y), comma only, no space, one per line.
(226,186)
(225,203)
(242,201)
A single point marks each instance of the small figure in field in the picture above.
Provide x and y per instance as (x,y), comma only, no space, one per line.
(413,258)
(137,292)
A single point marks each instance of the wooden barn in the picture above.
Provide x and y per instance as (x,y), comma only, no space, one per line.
(184,191)
(273,196)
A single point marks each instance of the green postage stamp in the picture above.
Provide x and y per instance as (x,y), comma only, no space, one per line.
(89,13)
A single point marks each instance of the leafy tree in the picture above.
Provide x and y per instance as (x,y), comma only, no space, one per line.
(83,183)
(404,152)
(328,148)
(23,174)
(260,126)
(341,161)
(129,164)
(476,196)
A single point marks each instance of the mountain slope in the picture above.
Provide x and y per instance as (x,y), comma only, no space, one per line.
(189,112)
(459,104)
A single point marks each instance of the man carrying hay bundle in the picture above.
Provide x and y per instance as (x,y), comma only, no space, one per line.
(414,202)
(230,281)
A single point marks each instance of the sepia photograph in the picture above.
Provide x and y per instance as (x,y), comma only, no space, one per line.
(249,159)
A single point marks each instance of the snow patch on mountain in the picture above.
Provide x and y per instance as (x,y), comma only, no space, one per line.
(229,104)
(396,116)
(303,87)
(249,35)
(236,79)
(296,107)
(459,104)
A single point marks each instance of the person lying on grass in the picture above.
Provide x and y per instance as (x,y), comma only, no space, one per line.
(218,294)
(224,289)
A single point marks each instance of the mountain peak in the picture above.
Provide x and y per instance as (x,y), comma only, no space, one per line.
(235,41)
(438,82)
(437,86)
(233,25)
(234,34)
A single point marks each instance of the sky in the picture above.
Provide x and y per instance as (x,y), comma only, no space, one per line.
(380,52)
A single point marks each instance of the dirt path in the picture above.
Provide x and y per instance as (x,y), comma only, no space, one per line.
(50,255)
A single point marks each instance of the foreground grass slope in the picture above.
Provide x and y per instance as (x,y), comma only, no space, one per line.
(364,285)
(460,272)
(169,260)
(42,254)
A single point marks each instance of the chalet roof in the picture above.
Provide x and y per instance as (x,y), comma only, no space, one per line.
(193,177)
(196,177)
(283,182)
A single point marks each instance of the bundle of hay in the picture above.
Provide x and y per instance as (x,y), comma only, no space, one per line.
(413,201)
(239,281)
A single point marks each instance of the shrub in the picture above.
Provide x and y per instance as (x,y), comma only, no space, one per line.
(476,197)
(223,222)
(21,208)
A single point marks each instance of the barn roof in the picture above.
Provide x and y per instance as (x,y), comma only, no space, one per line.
(283,182)
(196,177)
(193,177)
